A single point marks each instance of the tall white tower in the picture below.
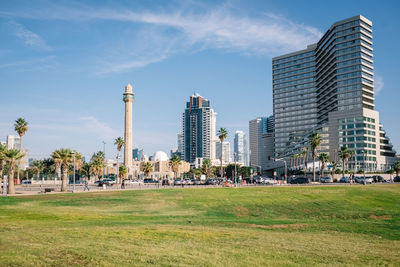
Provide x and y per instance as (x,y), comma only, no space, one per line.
(129,97)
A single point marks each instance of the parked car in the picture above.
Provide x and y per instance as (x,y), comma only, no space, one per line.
(378,179)
(165,182)
(369,179)
(188,181)
(196,181)
(326,180)
(150,181)
(258,180)
(211,182)
(106,181)
(344,179)
(177,182)
(136,181)
(300,180)
(396,179)
(270,180)
(26,182)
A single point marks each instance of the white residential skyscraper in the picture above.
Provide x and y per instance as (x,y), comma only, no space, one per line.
(226,151)
(240,148)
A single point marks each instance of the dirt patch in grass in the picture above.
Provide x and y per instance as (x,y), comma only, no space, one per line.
(272,226)
(241,211)
(380,218)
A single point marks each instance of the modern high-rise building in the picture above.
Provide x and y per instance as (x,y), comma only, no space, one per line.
(257,128)
(226,151)
(240,148)
(270,124)
(198,130)
(329,88)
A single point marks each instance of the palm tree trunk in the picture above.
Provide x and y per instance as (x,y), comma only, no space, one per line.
(343,168)
(313,168)
(64,175)
(222,174)
(118,179)
(11,188)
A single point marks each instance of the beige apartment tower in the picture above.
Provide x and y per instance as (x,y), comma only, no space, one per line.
(129,97)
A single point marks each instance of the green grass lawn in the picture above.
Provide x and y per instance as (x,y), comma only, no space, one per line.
(343,225)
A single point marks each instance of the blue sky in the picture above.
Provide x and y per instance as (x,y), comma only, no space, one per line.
(64,64)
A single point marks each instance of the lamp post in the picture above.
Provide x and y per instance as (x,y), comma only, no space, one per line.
(117,178)
(234,159)
(73,188)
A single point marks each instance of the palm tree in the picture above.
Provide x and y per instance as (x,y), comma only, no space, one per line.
(222,135)
(119,142)
(38,166)
(292,162)
(344,154)
(314,142)
(3,149)
(174,163)
(206,167)
(304,152)
(396,167)
(122,171)
(147,168)
(21,127)
(64,156)
(334,167)
(323,158)
(12,156)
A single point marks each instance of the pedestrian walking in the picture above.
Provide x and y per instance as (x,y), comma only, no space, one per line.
(86,186)
(123,184)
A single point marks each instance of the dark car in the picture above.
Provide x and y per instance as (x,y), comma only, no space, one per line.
(211,182)
(300,180)
(150,181)
(26,182)
(165,182)
(344,179)
(378,179)
(396,179)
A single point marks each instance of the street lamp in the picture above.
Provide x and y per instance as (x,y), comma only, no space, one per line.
(74,153)
(104,152)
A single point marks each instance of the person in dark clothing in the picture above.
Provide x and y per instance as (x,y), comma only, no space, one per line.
(123,184)
(86,186)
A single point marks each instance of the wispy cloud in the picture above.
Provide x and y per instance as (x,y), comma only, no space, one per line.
(28,37)
(188,30)
(29,62)
(379,84)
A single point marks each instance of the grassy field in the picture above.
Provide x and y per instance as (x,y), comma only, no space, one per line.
(343,225)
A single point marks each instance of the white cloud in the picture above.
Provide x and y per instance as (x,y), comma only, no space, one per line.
(378,86)
(167,33)
(28,37)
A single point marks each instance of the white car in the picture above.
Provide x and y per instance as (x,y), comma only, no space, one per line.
(136,182)
(269,181)
(326,180)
